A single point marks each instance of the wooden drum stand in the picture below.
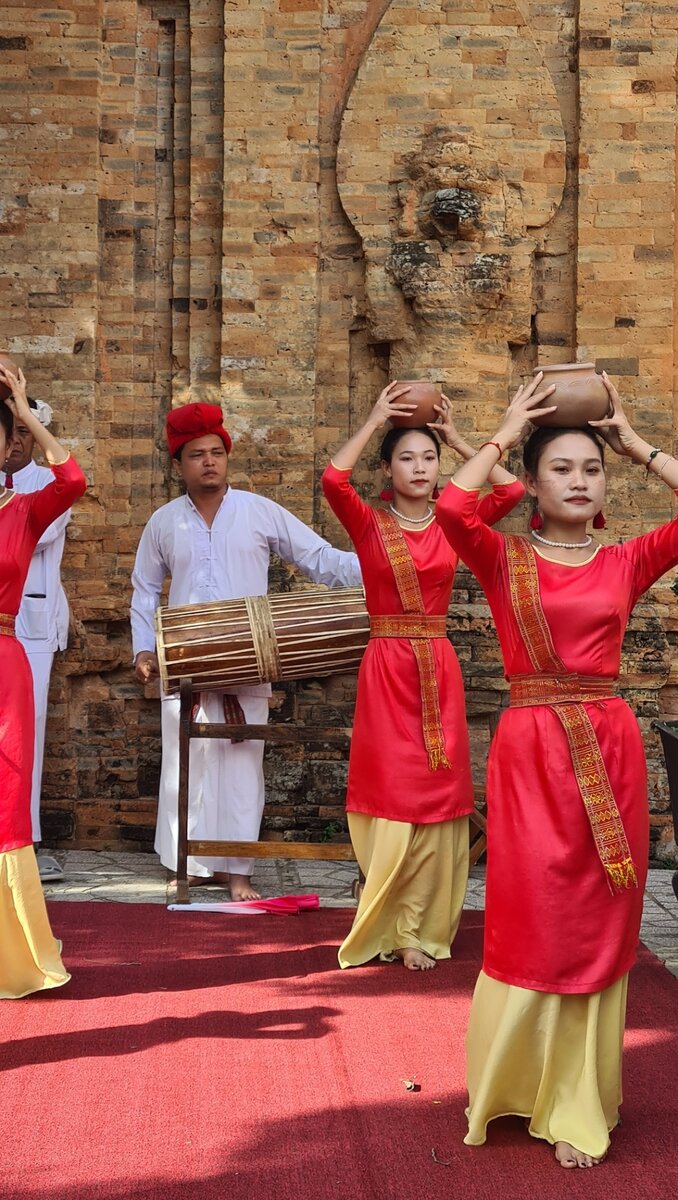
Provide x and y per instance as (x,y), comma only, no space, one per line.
(281,735)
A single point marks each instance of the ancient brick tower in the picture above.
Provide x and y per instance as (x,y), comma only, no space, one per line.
(278,205)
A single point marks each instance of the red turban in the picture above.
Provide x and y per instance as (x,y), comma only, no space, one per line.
(195,421)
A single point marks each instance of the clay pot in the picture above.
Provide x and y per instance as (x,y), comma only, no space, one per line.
(424,394)
(6,361)
(580,395)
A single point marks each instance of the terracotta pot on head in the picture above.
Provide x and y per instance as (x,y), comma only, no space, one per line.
(424,394)
(580,395)
(6,361)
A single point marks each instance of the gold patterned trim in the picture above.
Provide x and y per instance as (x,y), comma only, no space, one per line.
(7,625)
(462,488)
(411,599)
(570,566)
(527,608)
(529,690)
(7,498)
(587,759)
(596,792)
(408,625)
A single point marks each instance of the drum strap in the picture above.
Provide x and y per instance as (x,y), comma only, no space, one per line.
(587,758)
(264,638)
(407,583)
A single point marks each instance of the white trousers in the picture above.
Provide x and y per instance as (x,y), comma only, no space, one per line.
(226,786)
(41,669)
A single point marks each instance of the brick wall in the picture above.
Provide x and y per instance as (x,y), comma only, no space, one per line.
(238,202)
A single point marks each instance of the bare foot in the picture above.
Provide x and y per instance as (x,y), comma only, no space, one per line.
(241,888)
(415,960)
(568,1156)
(194,881)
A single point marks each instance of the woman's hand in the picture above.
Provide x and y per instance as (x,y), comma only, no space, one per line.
(55,453)
(527,403)
(615,427)
(18,401)
(390,405)
(445,426)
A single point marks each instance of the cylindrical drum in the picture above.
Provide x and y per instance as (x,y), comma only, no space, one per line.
(262,639)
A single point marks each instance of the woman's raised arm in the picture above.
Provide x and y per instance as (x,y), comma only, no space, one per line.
(22,412)
(527,402)
(388,405)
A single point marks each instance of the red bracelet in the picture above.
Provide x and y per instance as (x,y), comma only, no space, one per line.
(496,446)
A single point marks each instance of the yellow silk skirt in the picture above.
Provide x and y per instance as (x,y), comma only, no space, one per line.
(30,958)
(553,1059)
(415,882)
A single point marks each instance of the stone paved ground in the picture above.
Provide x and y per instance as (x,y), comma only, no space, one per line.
(135,878)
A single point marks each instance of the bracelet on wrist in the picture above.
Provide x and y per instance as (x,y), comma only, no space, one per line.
(652,456)
(496,446)
(664,465)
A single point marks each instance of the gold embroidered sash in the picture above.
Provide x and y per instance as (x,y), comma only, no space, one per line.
(409,591)
(587,759)
(7,623)
(408,625)
(529,690)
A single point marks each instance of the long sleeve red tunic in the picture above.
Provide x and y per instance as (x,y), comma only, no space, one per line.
(551,922)
(22,521)
(389,774)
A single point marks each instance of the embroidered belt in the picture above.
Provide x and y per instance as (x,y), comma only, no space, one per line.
(7,625)
(408,625)
(529,690)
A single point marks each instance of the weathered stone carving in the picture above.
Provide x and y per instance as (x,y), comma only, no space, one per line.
(449,182)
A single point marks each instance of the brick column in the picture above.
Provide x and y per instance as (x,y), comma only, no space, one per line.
(271,242)
(626,222)
(626,283)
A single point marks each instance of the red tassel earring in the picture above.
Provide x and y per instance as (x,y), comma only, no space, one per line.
(599,521)
(536,521)
(435,494)
(386,494)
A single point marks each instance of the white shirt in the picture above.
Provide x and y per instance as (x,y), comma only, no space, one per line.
(42,619)
(228,560)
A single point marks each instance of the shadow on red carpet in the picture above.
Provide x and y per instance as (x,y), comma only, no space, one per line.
(227,1058)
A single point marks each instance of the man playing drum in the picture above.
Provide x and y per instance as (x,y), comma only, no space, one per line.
(215,543)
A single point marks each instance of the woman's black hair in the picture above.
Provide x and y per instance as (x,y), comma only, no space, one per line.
(394,436)
(540,438)
(6,420)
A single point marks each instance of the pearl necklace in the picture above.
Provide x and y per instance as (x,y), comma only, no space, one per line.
(412,520)
(563,545)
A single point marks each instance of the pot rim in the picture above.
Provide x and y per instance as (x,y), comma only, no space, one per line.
(431,382)
(589,366)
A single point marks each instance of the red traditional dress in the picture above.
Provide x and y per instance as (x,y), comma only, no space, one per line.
(409,759)
(29,954)
(567,822)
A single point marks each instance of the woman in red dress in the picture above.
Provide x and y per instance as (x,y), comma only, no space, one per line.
(566,784)
(30,957)
(409,782)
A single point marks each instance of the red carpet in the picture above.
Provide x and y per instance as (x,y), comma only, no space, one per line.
(227,1058)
